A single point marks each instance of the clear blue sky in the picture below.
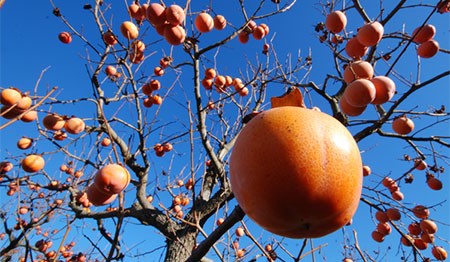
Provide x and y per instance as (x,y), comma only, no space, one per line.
(29,45)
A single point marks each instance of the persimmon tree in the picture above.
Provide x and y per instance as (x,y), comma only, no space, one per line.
(134,164)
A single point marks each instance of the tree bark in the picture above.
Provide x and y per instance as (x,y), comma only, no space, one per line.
(180,247)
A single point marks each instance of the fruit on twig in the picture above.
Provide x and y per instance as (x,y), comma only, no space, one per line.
(385,89)
(33,163)
(255,171)
(129,30)
(428,49)
(403,125)
(370,34)
(65,37)
(423,34)
(204,22)
(336,21)
(112,179)
(360,93)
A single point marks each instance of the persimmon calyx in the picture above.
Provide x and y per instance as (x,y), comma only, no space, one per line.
(293,97)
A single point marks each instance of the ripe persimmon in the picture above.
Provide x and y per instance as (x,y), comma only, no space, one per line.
(174,34)
(414,229)
(259,33)
(423,34)
(98,198)
(377,236)
(336,21)
(439,253)
(110,70)
(110,38)
(370,34)
(360,93)
(271,167)
(421,211)
(112,179)
(428,49)
(65,37)
(393,214)
(366,170)
(74,125)
(384,228)
(129,30)
(385,89)
(33,163)
(434,183)
(355,49)
(428,226)
(24,143)
(10,96)
(29,116)
(156,14)
(53,122)
(220,22)
(243,37)
(403,125)
(357,70)
(175,15)
(350,110)
(204,22)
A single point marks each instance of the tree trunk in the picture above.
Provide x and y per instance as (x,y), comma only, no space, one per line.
(180,247)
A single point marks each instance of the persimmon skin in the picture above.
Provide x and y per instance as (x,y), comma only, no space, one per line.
(98,198)
(33,163)
(204,22)
(385,89)
(336,21)
(112,179)
(294,177)
(360,93)
(355,49)
(428,49)
(370,34)
(357,70)
(403,125)
(423,34)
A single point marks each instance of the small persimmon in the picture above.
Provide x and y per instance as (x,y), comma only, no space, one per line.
(439,253)
(74,125)
(336,21)
(428,49)
(403,125)
(421,211)
(219,22)
(360,93)
(385,89)
(393,214)
(156,14)
(65,37)
(129,30)
(377,236)
(423,34)
(370,34)
(204,22)
(357,70)
(53,122)
(175,15)
(33,163)
(428,226)
(24,143)
(174,34)
(355,49)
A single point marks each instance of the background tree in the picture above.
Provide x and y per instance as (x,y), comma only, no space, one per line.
(159,93)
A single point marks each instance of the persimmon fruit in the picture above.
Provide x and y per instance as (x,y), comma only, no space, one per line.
(204,22)
(336,21)
(97,197)
(292,188)
(53,122)
(174,34)
(360,93)
(175,15)
(370,34)
(423,34)
(355,49)
(112,179)
(428,49)
(156,14)
(439,253)
(65,37)
(350,110)
(421,211)
(74,125)
(385,89)
(129,30)
(10,96)
(403,125)
(33,163)
(220,22)
(357,70)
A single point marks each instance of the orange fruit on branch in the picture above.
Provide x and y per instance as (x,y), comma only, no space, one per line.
(336,21)
(296,172)
(204,22)
(370,34)
(33,163)
(112,179)
(423,34)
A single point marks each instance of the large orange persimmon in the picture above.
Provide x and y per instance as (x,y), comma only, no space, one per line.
(296,172)
(112,179)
